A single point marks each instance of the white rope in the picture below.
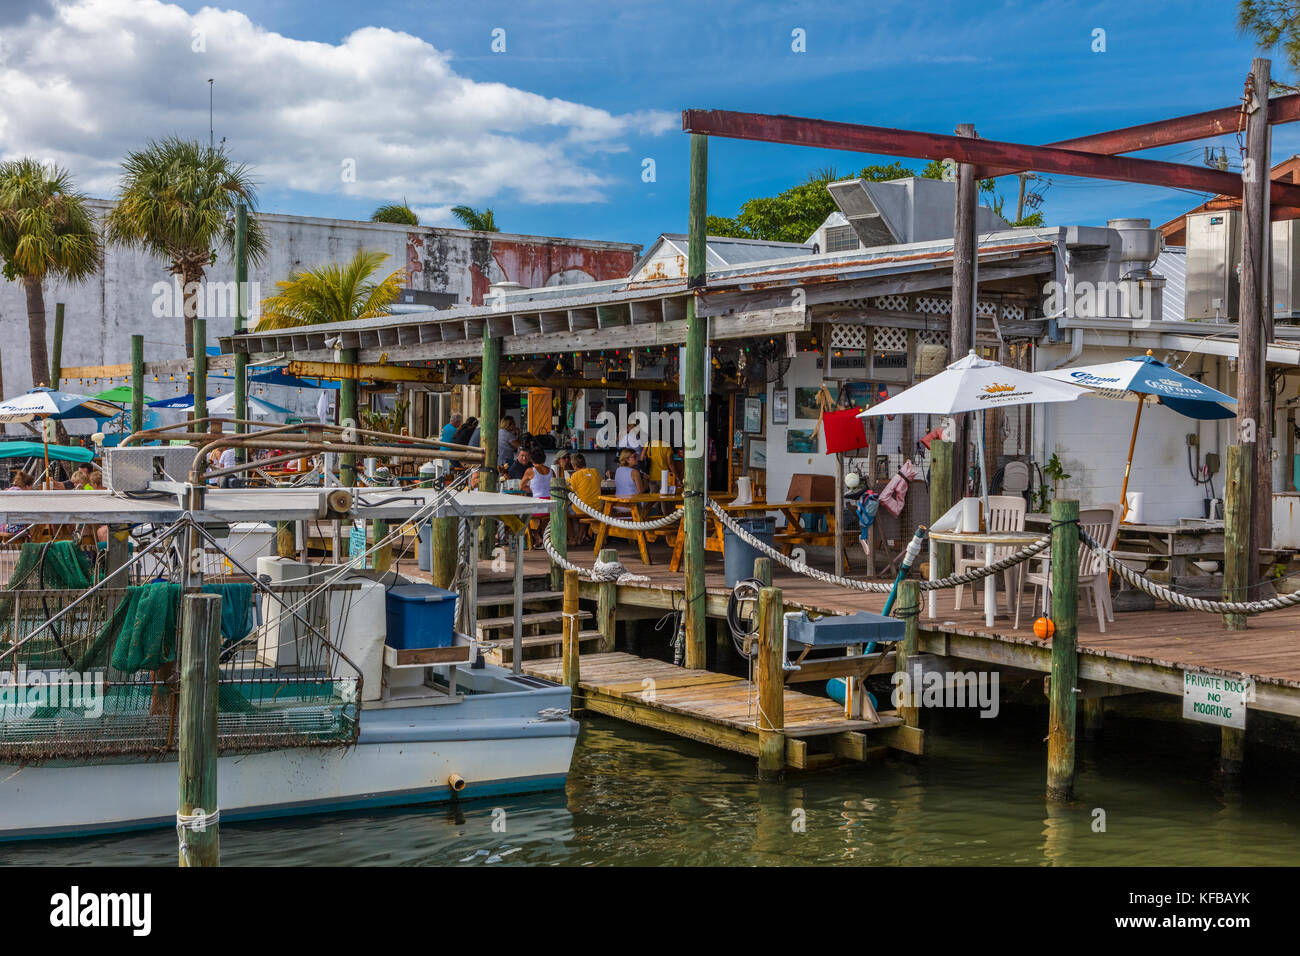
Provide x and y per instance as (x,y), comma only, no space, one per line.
(1164,593)
(652,525)
(196,822)
(601,571)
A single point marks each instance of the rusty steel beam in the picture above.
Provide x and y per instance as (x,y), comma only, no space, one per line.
(1169,132)
(827,134)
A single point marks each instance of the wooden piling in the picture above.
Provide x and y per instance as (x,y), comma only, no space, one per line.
(941,499)
(444,544)
(559,527)
(771,685)
(763,571)
(197,726)
(137,383)
(349,416)
(908,607)
(200,372)
(56,354)
(286,542)
(1065,659)
(489,418)
(1232,751)
(117,550)
(965,292)
(569,650)
(693,379)
(241,319)
(607,604)
(1237,554)
(1254,424)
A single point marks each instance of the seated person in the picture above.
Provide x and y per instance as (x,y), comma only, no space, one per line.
(519,466)
(628,480)
(584,482)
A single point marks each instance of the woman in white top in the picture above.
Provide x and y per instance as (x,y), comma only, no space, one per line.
(628,480)
(537,479)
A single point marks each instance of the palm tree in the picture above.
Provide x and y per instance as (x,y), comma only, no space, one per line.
(332,293)
(177,200)
(399,213)
(46,231)
(473,219)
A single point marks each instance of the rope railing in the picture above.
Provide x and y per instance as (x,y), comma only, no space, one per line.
(600,571)
(652,525)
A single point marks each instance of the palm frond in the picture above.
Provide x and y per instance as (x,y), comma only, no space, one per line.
(333,292)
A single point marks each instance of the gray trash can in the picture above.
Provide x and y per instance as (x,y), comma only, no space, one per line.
(738,555)
(424,560)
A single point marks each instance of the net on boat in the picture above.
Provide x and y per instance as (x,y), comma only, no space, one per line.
(95,673)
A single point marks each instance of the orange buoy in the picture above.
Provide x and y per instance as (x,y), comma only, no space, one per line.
(1044,628)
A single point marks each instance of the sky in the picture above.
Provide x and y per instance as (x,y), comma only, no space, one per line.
(564,118)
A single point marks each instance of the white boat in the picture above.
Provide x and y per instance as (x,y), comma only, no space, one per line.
(320,711)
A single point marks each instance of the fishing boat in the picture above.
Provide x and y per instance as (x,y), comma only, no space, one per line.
(340,686)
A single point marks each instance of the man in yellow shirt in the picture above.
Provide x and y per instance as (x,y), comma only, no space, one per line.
(585,483)
(660,457)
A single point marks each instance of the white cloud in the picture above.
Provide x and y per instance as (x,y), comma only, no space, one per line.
(96,78)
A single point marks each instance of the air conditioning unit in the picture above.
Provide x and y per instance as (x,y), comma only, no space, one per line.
(132,468)
(1213,257)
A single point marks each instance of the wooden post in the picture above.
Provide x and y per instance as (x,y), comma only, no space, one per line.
(559,527)
(964,294)
(909,609)
(1232,751)
(489,419)
(200,372)
(348,417)
(118,549)
(56,356)
(570,648)
(839,509)
(607,605)
(197,725)
(286,542)
(137,382)
(1237,556)
(695,481)
(1065,660)
(1254,426)
(444,545)
(941,498)
(763,571)
(241,318)
(771,686)
(3,429)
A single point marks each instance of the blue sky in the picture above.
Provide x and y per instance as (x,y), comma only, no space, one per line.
(603,85)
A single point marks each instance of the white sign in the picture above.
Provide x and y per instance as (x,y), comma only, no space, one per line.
(1216,700)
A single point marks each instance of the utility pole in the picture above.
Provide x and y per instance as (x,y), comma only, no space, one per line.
(693,391)
(961,337)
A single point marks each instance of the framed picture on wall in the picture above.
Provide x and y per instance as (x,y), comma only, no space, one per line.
(800,441)
(754,416)
(757,453)
(805,403)
(780,406)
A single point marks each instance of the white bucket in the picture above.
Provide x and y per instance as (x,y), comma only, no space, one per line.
(744,491)
(1134,513)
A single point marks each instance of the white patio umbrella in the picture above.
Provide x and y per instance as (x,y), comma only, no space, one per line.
(974,384)
(223,406)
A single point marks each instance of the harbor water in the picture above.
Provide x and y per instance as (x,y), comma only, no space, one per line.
(1147,795)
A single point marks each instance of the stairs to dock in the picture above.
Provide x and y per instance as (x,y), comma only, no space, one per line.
(543,621)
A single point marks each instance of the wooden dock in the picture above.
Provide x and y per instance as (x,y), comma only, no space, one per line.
(722,710)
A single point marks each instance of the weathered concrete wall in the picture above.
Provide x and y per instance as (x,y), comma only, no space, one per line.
(124,297)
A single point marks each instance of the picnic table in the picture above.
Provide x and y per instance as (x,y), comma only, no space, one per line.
(1177,546)
(644,507)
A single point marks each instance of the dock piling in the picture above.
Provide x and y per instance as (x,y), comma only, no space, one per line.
(1237,555)
(569,648)
(559,528)
(137,383)
(1065,659)
(941,500)
(607,604)
(909,609)
(694,379)
(443,542)
(771,685)
(197,723)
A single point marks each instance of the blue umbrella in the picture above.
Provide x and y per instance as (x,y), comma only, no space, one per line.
(180,403)
(1142,376)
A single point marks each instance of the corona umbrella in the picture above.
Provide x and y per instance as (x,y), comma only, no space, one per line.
(1143,378)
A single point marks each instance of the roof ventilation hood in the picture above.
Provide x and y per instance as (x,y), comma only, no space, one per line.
(904,210)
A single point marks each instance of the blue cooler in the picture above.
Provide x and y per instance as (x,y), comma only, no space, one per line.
(420,615)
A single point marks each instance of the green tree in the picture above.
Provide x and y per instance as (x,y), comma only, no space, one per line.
(332,293)
(1273,23)
(177,200)
(399,213)
(479,221)
(46,231)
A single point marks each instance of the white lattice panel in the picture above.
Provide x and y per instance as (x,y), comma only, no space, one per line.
(933,336)
(892,303)
(890,340)
(933,304)
(987,308)
(849,336)
(1013,310)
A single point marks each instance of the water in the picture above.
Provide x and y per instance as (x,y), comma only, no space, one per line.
(639,797)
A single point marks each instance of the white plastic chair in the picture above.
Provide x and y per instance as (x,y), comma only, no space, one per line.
(1103,525)
(1006,513)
